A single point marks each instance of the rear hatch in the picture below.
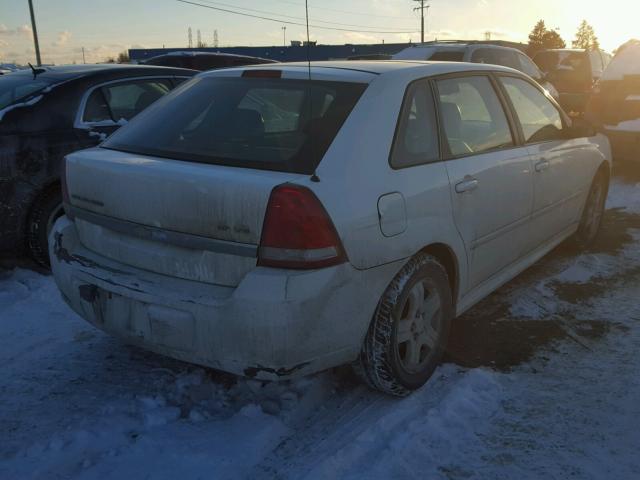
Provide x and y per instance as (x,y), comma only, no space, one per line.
(616,98)
(183,189)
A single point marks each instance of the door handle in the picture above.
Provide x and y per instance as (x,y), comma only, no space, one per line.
(542,165)
(467,186)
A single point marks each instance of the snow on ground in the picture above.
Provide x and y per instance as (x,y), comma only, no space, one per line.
(624,195)
(75,403)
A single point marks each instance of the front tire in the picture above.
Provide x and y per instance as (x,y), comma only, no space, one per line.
(409,331)
(46,210)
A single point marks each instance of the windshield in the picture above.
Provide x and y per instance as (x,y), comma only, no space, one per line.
(15,87)
(263,123)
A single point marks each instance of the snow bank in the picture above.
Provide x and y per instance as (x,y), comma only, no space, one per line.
(625,196)
(632,126)
(416,436)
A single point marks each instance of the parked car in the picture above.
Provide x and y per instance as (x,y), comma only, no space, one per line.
(477,52)
(49,112)
(615,102)
(272,226)
(574,72)
(204,60)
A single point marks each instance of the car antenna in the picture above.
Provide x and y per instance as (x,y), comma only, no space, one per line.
(314,177)
(36,71)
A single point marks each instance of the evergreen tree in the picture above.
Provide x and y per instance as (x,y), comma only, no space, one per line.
(542,38)
(536,38)
(552,39)
(586,37)
(123,57)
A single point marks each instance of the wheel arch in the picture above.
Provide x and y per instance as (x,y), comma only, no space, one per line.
(447,257)
(41,193)
(604,169)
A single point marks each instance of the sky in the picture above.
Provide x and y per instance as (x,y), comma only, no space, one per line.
(105,28)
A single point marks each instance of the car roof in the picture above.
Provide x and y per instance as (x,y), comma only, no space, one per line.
(182,53)
(71,72)
(361,70)
(459,45)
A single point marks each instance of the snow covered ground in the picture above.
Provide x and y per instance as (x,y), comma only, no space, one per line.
(540,381)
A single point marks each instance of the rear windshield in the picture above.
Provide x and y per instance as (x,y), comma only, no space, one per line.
(262,123)
(16,87)
(447,56)
(561,60)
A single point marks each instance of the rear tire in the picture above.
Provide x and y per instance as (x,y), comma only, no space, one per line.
(46,210)
(409,330)
(593,212)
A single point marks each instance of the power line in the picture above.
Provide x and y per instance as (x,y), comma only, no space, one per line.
(289,16)
(422,7)
(359,14)
(287,21)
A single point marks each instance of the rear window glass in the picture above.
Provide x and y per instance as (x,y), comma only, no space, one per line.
(552,61)
(15,87)
(270,124)
(445,56)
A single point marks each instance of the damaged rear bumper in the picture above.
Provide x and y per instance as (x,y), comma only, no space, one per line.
(275,324)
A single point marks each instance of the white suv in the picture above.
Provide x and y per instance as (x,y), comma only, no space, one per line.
(477,52)
(271,225)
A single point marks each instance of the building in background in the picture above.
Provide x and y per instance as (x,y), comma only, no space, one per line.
(297,51)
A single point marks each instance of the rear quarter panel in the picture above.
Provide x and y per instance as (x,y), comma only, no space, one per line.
(356,172)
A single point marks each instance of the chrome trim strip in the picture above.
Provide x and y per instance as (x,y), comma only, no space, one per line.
(145,232)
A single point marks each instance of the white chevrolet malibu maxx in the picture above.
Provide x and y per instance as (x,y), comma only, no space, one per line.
(278,220)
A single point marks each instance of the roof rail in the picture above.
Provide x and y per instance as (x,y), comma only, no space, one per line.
(501,43)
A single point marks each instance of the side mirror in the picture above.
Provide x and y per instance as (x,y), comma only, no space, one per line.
(581,127)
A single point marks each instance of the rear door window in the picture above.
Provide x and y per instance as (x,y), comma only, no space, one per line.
(472,116)
(416,140)
(123,100)
(263,123)
(540,119)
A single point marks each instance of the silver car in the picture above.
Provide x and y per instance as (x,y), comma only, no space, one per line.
(271,225)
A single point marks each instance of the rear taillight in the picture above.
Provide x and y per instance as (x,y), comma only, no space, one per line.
(297,232)
(66,200)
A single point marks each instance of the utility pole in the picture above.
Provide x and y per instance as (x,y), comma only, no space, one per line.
(190,38)
(215,38)
(421,8)
(284,36)
(83,61)
(35,33)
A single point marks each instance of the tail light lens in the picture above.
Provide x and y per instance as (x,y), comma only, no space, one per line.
(297,232)
(66,200)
